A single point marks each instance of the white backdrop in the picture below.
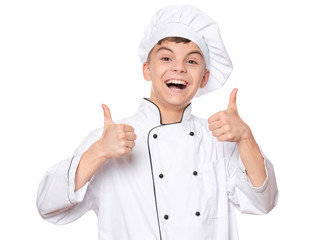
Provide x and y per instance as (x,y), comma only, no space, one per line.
(60,60)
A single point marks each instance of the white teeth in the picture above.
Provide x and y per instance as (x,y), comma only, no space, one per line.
(175,81)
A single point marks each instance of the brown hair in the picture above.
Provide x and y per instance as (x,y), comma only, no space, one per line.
(174,39)
(170,39)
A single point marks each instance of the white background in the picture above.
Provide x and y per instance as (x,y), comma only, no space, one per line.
(60,60)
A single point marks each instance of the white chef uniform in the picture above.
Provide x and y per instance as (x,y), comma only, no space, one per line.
(178,183)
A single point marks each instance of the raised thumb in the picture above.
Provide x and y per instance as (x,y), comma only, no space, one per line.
(233,99)
(107,116)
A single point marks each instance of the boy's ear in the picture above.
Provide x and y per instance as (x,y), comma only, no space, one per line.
(205,78)
(146,71)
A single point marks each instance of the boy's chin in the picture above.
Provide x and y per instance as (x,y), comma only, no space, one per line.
(175,101)
(179,102)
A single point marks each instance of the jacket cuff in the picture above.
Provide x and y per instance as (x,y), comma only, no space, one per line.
(78,196)
(265,184)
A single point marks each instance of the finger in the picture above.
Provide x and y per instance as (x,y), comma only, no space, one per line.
(224,137)
(218,116)
(128,151)
(107,115)
(128,128)
(130,144)
(218,132)
(233,99)
(216,124)
(124,151)
(125,128)
(214,118)
(130,136)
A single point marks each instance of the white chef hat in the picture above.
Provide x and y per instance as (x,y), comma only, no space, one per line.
(189,22)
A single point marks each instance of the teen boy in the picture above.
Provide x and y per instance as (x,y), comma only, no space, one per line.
(164,173)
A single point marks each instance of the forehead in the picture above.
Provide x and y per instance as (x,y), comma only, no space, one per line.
(179,48)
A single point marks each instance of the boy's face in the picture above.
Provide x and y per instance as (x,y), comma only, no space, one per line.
(177,71)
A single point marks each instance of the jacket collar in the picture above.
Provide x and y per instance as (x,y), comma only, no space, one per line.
(152,112)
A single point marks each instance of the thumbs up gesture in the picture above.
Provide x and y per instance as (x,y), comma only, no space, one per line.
(227,125)
(117,140)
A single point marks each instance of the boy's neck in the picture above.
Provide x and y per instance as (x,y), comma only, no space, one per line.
(170,115)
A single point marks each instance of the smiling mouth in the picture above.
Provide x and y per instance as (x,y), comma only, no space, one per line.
(176,84)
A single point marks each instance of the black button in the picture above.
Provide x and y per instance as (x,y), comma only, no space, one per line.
(191,133)
(195,173)
(161,175)
(198,213)
(155,136)
(166,217)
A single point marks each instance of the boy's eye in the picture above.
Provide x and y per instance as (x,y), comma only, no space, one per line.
(192,62)
(165,58)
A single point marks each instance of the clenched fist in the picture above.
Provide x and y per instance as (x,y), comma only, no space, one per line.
(227,125)
(117,140)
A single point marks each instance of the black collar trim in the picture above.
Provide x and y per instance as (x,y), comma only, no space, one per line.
(160,112)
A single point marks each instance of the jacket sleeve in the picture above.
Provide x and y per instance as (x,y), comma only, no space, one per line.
(57,201)
(245,197)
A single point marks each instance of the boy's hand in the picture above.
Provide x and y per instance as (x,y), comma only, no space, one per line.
(117,140)
(227,125)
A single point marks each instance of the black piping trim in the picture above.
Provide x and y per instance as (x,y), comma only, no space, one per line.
(150,158)
(151,165)
(160,113)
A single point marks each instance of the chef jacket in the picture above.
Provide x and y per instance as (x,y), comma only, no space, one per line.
(178,183)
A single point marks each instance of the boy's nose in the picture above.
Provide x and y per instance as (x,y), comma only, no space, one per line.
(179,67)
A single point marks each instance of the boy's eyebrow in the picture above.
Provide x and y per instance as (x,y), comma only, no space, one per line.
(164,48)
(196,52)
(168,49)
